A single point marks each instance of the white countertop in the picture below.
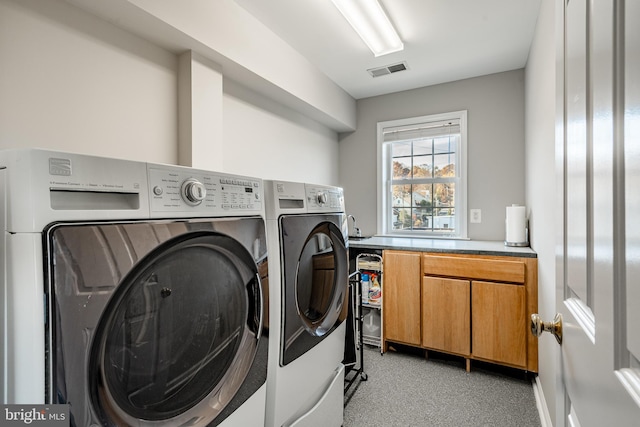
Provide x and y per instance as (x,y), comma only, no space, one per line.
(475,247)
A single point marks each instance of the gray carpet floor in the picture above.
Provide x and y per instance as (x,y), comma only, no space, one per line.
(405,389)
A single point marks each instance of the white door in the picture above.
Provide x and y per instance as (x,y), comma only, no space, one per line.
(598,280)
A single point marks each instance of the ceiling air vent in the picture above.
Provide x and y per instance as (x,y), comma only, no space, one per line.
(387,69)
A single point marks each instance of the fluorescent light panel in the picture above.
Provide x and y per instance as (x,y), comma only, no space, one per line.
(372,25)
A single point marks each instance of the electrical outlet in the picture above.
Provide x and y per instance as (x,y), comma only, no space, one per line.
(476,216)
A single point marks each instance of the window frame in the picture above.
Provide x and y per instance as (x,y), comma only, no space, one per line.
(384,178)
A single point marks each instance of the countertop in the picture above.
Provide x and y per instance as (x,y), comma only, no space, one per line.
(472,247)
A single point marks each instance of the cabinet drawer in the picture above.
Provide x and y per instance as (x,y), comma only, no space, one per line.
(471,268)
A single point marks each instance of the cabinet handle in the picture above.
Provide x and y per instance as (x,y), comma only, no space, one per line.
(554,327)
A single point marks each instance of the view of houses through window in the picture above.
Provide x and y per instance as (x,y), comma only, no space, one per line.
(423,187)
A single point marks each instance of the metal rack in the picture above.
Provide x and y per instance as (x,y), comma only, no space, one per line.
(355,369)
(367,263)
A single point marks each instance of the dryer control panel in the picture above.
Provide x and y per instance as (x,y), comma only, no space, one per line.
(322,198)
(287,198)
(177,189)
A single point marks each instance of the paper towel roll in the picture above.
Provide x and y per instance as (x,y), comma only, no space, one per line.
(516,225)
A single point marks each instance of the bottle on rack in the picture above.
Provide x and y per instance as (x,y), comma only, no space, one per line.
(365,288)
(375,291)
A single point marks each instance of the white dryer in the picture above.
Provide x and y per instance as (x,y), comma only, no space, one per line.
(307,235)
(152,280)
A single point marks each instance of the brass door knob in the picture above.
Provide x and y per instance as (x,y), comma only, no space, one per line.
(555,327)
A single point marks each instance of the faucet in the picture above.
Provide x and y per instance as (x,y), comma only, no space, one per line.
(356,230)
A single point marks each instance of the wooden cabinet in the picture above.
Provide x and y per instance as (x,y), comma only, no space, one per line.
(503,295)
(499,321)
(446,315)
(401,299)
(476,306)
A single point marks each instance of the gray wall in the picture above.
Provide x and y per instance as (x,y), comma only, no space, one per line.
(495,105)
(73,82)
(540,180)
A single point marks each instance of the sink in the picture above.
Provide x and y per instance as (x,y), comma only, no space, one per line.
(358,238)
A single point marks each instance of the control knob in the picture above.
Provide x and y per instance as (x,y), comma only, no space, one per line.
(193,192)
(322,198)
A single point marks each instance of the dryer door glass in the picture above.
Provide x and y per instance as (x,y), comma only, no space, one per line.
(179,334)
(320,285)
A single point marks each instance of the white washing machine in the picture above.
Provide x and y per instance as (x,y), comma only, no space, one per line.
(307,235)
(153,279)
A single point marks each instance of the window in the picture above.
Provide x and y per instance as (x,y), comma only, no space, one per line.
(422,180)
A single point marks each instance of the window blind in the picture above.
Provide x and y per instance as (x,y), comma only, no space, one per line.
(421,130)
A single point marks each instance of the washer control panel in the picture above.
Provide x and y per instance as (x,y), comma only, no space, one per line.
(322,198)
(175,189)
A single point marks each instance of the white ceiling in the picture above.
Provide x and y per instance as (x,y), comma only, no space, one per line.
(444,40)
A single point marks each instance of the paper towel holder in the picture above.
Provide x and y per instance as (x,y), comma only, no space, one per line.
(526,238)
(518,237)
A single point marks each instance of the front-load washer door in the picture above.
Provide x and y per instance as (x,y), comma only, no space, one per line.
(315,280)
(176,338)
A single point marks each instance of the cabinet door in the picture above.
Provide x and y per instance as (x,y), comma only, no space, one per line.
(446,315)
(500,324)
(401,297)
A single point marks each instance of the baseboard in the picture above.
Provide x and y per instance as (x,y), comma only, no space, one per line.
(541,403)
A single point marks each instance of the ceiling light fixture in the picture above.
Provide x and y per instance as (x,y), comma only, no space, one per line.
(372,25)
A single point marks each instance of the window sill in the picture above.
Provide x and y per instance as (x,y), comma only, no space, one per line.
(415,236)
